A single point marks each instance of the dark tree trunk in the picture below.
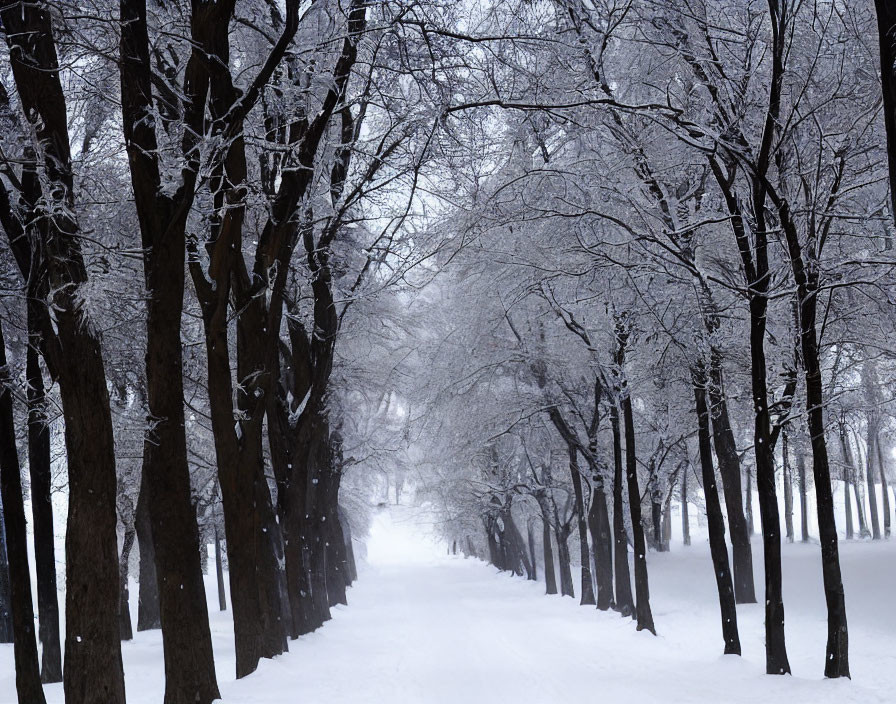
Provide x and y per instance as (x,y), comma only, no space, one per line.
(530,534)
(42,509)
(740,519)
(748,498)
(93,670)
(28,684)
(219,572)
(550,579)
(352,573)
(804,500)
(685,518)
(852,480)
(886,25)
(788,486)
(642,589)
(715,519)
(190,676)
(656,521)
(124,606)
(582,519)
(884,489)
(148,616)
(5,587)
(624,601)
(870,454)
(566,587)
(601,539)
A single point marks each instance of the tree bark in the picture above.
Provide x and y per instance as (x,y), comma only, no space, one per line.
(42,508)
(685,518)
(870,454)
(148,616)
(550,579)
(28,684)
(219,572)
(886,24)
(566,587)
(530,535)
(642,589)
(587,597)
(5,587)
(884,488)
(93,670)
(624,600)
(788,486)
(601,539)
(124,607)
(804,500)
(715,520)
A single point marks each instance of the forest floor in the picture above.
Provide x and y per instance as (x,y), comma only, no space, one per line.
(423,627)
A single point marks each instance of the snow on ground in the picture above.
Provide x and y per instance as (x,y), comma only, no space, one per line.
(425,627)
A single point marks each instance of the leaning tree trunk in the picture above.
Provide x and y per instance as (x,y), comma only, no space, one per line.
(625,603)
(28,684)
(582,519)
(715,520)
(550,579)
(730,470)
(42,510)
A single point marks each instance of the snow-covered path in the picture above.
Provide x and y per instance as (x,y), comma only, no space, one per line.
(425,627)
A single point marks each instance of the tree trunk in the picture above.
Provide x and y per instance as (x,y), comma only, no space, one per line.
(148,616)
(599,523)
(566,587)
(550,579)
(530,534)
(788,486)
(870,453)
(352,574)
(685,519)
(28,684)
(886,24)
(715,520)
(884,488)
(219,572)
(42,510)
(93,670)
(642,589)
(740,519)
(624,600)
(852,480)
(124,606)
(5,587)
(748,499)
(582,520)
(804,500)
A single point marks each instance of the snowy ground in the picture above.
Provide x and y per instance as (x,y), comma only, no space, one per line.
(425,627)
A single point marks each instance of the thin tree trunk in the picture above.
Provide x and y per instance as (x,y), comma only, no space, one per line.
(715,520)
(124,607)
(530,535)
(587,597)
(624,600)
(804,500)
(642,589)
(42,509)
(566,587)
(884,488)
(219,572)
(685,518)
(788,486)
(550,578)
(870,454)
(748,499)
(28,684)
